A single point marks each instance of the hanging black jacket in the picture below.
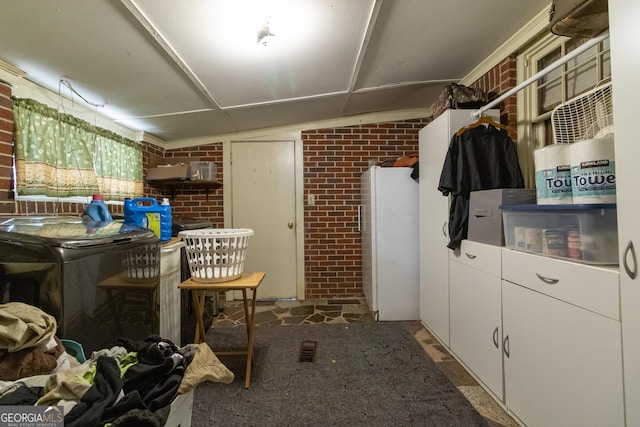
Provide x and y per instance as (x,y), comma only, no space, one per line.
(481,158)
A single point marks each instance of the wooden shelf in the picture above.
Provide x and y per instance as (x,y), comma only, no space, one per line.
(173,184)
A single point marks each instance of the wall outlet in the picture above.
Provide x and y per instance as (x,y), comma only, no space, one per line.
(311,199)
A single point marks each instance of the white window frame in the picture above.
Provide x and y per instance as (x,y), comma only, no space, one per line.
(531,130)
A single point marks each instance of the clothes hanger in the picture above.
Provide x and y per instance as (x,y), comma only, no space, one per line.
(482,120)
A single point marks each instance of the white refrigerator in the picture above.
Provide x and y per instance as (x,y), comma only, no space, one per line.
(389,220)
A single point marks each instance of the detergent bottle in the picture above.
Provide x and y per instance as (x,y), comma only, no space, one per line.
(166,222)
(146,212)
(97,210)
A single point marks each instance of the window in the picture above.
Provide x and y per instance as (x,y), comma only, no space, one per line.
(537,101)
(58,155)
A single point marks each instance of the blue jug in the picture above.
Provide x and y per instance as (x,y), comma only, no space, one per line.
(97,210)
(146,212)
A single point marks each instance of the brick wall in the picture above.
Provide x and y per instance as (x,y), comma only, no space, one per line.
(6,149)
(497,81)
(186,201)
(334,160)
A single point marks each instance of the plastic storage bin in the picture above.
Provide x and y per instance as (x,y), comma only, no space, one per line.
(585,233)
(485,218)
(203,171)
(216,255)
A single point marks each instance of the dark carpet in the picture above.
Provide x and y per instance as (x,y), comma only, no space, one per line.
(364,374)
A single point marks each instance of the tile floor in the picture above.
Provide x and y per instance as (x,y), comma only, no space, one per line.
(290,312)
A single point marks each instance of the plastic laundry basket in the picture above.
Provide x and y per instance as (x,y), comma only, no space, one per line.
(216,255)
(142,264)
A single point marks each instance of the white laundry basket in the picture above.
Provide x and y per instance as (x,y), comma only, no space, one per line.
(142,264)
(216,255)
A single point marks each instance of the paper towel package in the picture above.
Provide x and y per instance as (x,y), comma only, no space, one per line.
(593,171)
(485,217)
(553,174)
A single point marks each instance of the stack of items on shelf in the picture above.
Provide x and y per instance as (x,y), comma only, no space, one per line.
(575,214)
(194,171)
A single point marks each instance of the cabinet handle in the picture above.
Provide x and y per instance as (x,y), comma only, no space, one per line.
(505,346)
(470,256)
(495,338)
(630,250)
(547,280)
(444,229)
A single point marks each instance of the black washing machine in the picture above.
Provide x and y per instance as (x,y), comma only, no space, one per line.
(59,264)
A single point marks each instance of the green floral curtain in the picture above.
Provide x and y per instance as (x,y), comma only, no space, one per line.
(59,155)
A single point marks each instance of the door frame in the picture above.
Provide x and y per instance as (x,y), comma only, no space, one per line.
(296,137)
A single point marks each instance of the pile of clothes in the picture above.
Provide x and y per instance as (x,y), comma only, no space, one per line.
(131,383)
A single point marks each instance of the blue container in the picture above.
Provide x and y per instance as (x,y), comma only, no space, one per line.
(166,222)
(146,212)
(97,210)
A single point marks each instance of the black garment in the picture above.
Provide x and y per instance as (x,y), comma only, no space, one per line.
(143,393)
(415,173)
(158,373)
(482,158)
(100,396)
(143,418)
(21,394)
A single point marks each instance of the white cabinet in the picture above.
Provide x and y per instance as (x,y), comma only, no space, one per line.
(434,142)
(563,358)
(625,68)
(562,326)
(475,312)
(542,335)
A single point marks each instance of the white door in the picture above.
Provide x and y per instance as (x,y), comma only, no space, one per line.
(263,180)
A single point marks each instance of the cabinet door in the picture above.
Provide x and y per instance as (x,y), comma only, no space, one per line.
(625,69)
(434,208)
(475,332)
(562,363)
(434,142)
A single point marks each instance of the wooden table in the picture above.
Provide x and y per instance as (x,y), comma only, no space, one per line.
(245,282)
(119,283)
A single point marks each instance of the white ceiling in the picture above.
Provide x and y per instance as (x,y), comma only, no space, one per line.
(189,69)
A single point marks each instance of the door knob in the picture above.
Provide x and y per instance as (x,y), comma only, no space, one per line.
(290,224)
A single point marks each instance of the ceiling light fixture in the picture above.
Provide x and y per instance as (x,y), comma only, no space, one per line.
(246,27)
(264,35)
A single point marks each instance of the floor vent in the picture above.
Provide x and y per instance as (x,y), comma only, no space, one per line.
(308,351)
